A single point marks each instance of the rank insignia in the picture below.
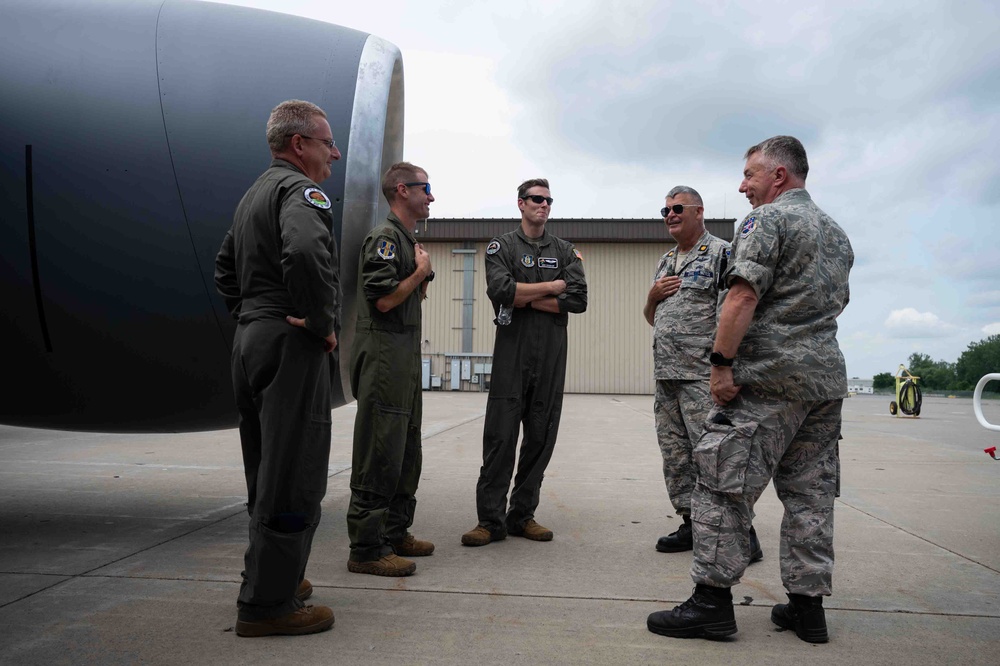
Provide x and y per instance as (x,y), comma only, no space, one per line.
(670,254)
(548,262)
(527,260)
(493,247)
(317,197)
(702,248)
(386,249)
(749,226)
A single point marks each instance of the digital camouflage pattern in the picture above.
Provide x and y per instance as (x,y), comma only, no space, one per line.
(681,408)
(746,443)
(684,323)
(797,260)
(683,332)
(785,422)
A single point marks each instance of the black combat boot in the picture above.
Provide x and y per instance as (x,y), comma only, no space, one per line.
(678,541)
(804,615)
(707,614)
(756,554)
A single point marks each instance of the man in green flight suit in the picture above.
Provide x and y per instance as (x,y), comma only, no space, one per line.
(279,272)
(393,274)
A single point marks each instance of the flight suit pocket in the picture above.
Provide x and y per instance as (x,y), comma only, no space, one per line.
(723,455)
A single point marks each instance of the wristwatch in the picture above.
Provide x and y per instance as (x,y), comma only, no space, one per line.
(718,360)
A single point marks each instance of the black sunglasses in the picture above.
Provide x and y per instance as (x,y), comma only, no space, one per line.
(426,186)
(538,198)
(677,208)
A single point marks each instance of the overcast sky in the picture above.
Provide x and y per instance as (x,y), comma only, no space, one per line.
(897,104)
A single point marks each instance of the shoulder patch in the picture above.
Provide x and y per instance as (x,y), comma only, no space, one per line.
(749,226)
(317,198)
(577,253)
(386,249)
(493,247)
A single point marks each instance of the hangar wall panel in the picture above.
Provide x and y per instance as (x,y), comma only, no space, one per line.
(610,345)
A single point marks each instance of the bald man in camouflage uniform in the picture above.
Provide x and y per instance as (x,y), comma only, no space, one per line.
(681,307)
(778,381)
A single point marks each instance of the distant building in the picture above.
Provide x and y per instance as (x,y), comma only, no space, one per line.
(857,385)
(610,345)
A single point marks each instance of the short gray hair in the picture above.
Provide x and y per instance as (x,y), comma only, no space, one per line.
(291,117)
(684,189)
(786,151)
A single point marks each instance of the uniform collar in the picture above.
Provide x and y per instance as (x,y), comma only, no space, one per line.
(395,220)
(700,247)
(542,240)
(795,194)
(278,162)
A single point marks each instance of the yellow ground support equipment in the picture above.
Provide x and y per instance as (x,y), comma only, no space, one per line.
(908,395)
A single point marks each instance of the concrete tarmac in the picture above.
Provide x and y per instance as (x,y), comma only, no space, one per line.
(124,549)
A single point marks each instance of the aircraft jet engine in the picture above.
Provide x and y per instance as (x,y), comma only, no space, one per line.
(129,131)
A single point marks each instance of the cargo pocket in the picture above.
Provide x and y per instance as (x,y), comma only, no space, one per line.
(722,455)
(706,546)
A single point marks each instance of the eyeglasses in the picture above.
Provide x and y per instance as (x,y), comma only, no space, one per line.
(426,186)
(677,208)
(538,198)
(330,143)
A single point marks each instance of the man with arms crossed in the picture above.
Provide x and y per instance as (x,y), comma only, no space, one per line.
(778,381)
(534,281)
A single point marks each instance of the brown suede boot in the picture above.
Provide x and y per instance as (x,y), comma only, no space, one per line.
(480,536)
(387,565)
(411,546)
(533,531)
(306,620)
(305,590)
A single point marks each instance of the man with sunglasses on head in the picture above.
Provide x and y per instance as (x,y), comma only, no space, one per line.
(534,281)
(681,307)
(779,382)
(393,274)
(279,273)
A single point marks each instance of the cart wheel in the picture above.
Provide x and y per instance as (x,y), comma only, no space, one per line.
(892,407)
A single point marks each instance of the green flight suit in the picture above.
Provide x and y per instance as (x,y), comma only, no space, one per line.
(280,258)
(385,380)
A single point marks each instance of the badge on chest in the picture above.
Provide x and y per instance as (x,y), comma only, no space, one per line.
(548,262)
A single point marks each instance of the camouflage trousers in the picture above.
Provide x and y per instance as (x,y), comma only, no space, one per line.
(680,408)
(747,443)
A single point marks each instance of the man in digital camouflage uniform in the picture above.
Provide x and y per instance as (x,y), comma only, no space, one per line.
(681,307)
(778,381)
(279,273)
(393,274)
(534,281)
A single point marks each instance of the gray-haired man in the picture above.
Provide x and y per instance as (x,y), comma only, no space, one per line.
(681,307)
(778,381)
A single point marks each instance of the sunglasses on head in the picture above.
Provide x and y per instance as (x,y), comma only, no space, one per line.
(676,208)
(538,198)
(426,186)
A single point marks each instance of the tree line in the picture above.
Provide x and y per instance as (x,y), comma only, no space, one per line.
(981,358)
